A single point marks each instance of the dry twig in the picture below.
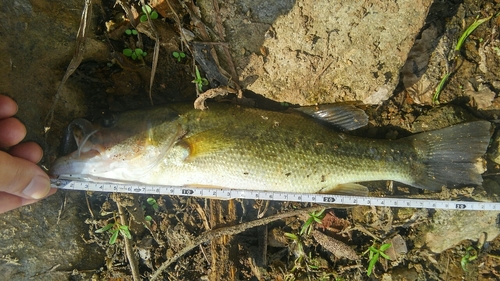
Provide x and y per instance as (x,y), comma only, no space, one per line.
(199,103)
(129,250)
(336,247)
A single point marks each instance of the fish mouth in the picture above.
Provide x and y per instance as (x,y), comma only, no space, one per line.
(85,141)
(75,163)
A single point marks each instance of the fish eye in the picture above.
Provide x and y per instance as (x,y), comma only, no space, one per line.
(108,120)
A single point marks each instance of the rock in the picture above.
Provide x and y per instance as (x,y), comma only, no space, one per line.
(440,117)
(418,58)
(397,250)
(450,227)
(424,69)
(38,40)
(494,151)
(492,187)
(482,98)
(336,52)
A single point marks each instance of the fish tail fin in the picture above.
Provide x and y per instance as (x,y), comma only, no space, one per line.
(452,156)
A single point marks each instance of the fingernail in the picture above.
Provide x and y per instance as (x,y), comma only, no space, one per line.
(38,188)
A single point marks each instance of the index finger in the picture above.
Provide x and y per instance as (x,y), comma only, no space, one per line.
(8,107)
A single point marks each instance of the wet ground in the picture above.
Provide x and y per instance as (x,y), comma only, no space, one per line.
(391,56)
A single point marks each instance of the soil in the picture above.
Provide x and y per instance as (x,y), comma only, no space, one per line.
(388,56)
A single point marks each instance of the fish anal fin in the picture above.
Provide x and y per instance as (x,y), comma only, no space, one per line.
(345,117)
(352,189)
(206,142)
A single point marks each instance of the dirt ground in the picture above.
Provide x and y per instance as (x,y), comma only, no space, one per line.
(390,56)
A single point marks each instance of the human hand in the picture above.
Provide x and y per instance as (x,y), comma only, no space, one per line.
(22,182)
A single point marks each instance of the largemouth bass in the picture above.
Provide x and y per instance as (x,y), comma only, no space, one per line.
(244,148)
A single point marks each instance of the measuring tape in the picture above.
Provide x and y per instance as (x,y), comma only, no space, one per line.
(220,193)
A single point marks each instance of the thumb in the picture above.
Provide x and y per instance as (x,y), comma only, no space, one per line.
(22,178)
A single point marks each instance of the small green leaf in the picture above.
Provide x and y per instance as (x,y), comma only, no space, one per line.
(148,218)
(146,9)
(113,238)
(470,255)
(128,32)
(463,263)
(178,55)
(304,227)
(125,232)
(198,76)
(291,236)
(385,247)
(439,88)
(143,18)
(153,15)
(151,201)
(128,52)
(134,56)
(138,52)
(134,32)
(103,229)
(469,30)
(385,256)
(320,214)
(371,264)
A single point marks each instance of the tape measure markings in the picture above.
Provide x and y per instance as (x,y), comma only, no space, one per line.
(218,193)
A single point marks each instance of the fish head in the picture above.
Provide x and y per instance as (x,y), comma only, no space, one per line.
(122,146)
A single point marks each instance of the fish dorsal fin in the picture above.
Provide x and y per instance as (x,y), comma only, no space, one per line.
(207,142)
(352,189)
(345,117)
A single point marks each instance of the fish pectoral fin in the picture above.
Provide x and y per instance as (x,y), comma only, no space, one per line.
(345,117)
(352,189)
(206,142)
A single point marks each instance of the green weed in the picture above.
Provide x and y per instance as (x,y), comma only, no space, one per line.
(135,54)
(199,81)
(151,201)
(470,255)
(179,55)
(458,47)
(375,254)
(131,32)
(314,217)
(147,10)
(115,229)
